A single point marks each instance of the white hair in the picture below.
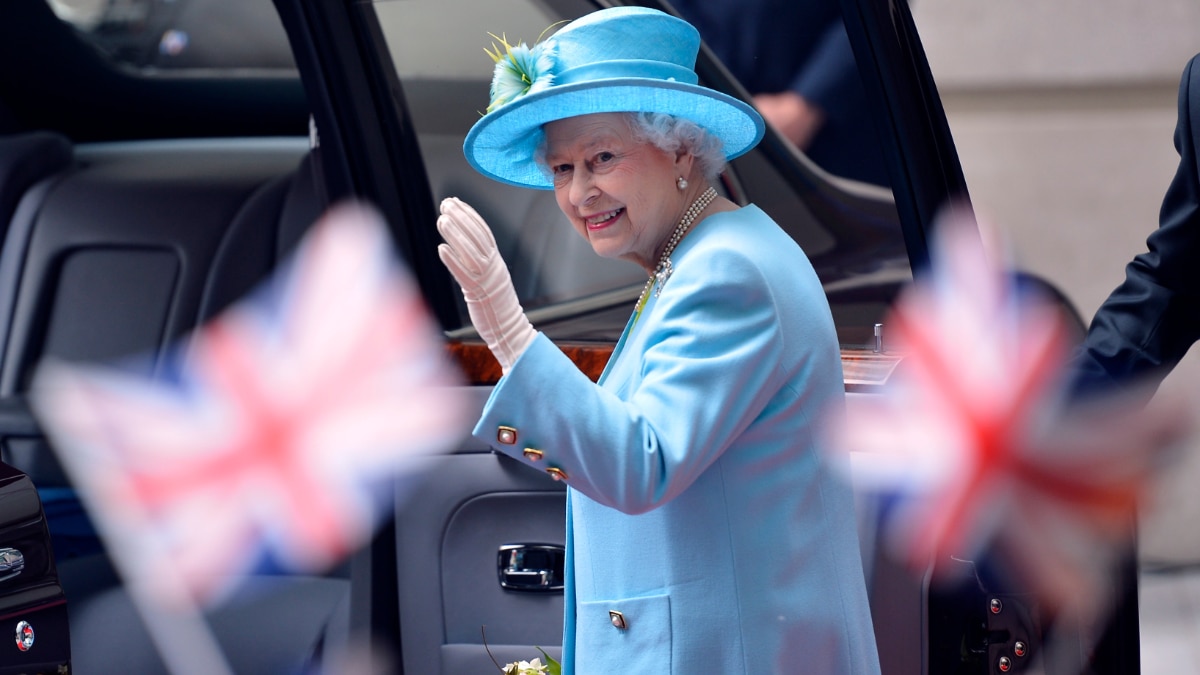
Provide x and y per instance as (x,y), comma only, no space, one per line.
(671,134)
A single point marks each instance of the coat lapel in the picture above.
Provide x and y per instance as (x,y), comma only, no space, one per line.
(635,321)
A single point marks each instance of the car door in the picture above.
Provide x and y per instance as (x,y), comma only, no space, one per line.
(468,571)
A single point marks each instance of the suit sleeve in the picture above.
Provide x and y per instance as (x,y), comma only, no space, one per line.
(1148,322)
(830,79)
(705,374)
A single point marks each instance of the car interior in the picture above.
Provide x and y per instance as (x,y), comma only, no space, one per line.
(121,250)
(136,203)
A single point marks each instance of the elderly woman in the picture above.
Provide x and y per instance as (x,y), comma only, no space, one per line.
(706,534)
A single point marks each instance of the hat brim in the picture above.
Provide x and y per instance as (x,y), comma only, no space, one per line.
(502,144)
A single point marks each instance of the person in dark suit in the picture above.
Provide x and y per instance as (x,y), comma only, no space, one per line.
(1148,322)
(1144,328)
(795,59)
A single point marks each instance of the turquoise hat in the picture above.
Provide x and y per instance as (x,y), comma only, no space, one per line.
(621,59)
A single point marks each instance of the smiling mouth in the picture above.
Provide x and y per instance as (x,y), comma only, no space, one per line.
(603,220)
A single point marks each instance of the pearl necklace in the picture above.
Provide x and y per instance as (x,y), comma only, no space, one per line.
(664,269)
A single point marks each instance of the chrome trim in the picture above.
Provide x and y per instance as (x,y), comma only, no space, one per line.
(12,563)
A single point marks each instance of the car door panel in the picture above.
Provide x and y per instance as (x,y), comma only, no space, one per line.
(448,536)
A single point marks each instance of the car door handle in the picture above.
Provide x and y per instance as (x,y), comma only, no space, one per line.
(12,563)
(534,568)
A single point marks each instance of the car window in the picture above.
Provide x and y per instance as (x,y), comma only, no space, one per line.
(848,228)
(235,38)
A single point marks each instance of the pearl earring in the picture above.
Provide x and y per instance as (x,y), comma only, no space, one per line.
(682,183)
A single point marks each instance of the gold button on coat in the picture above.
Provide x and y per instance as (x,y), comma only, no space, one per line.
(506,435)
(533,454)
(557,473)
(617,619)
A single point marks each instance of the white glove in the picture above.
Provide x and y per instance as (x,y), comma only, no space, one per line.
(471,255)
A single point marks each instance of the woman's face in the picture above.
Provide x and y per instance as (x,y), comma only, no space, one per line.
(620,194)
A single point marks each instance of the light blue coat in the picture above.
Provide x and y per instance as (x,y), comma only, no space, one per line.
(700,507)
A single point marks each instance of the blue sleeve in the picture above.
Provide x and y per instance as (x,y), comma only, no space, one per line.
(706,373)
(829,79)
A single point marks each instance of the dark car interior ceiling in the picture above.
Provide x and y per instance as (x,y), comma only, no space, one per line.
(61,75)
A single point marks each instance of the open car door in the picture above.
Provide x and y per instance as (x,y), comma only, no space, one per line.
(470,569)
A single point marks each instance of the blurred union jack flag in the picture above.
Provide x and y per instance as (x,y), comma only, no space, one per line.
(276,428)
(977,447)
